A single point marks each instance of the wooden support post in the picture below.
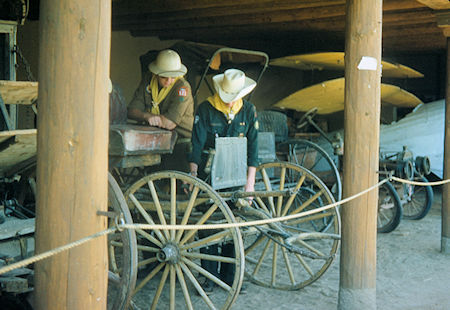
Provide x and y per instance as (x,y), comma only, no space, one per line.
(357,287)
(72,152)
(445,237)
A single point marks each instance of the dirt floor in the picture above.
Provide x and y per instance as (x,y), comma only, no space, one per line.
(412,274)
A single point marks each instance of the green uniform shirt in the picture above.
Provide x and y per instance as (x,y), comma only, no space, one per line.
(178,106)
(210,123)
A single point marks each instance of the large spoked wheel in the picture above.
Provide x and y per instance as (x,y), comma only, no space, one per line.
(172,267)
(314,158)
(389,208)
(122,251)
(417,200)
(293,253)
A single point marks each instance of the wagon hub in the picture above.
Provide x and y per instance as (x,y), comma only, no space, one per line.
(169,254)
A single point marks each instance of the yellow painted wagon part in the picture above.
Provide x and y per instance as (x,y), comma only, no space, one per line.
(328,97)
(335,61)
(18,92)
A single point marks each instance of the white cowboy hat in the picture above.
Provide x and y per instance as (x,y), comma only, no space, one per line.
(233,85)
(167,64)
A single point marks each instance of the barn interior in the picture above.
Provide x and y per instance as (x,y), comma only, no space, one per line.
(415,35)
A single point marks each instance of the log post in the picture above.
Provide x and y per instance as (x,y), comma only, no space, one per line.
(72,152)
(443,20)
(357,287)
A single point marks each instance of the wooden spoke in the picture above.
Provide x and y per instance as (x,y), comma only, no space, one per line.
(146,248)
(149,237)
(269,188)
(216,238)
(274,262)
(187,297)
(261,204)
(197,286)
(254,245)
(304,264)
(201,221)
(311,248)
(261,258)
(288,263)
(207,274)
(280,198)
(172,287)
(146,216)
(159,209)
(147,261)
(307,203)
(292,197)
(160,287)
(148,277)
(173,207)
(187,213)
(216,258)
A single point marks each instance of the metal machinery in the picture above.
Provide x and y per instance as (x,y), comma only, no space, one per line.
(17,158)
(416,200)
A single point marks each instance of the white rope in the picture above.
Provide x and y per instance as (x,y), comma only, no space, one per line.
(420,183)
(55,251)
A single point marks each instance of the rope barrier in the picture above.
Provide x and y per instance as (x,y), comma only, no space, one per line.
(58,250)
(420,183)
(55,251)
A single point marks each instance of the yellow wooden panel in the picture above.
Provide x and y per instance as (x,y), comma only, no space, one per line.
(18,92)
(436,4)
(328,97)
(335,61)
(21,147)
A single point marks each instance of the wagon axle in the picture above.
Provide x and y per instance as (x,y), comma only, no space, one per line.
(169,254)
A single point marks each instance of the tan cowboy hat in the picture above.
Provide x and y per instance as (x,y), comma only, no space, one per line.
(233,85)
(167,64)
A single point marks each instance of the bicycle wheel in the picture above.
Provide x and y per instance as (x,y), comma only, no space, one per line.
(389,208)
(417,200)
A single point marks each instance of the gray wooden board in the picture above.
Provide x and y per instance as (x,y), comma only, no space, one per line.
(19,145)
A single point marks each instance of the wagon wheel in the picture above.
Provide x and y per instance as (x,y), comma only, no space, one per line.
(314,158)
(170,261)
(293,253)
(122,251)
(417,200)
(389,208)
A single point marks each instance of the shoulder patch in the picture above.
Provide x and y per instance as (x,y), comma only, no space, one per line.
(183,91)
(196,119)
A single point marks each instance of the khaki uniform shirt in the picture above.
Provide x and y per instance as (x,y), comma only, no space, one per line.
(178,106)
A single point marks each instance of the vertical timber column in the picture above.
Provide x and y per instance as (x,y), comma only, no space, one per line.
(72,152)
(357,287)
(445,237)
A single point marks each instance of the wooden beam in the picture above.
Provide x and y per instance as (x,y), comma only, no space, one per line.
(72,153)
(436,4)
(357,287)
(148,22)
(203,7)
(445,235)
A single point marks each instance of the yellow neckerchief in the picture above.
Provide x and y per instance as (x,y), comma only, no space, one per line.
(221,106)
(158,95)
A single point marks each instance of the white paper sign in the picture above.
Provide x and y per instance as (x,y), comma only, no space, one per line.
(368,63)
